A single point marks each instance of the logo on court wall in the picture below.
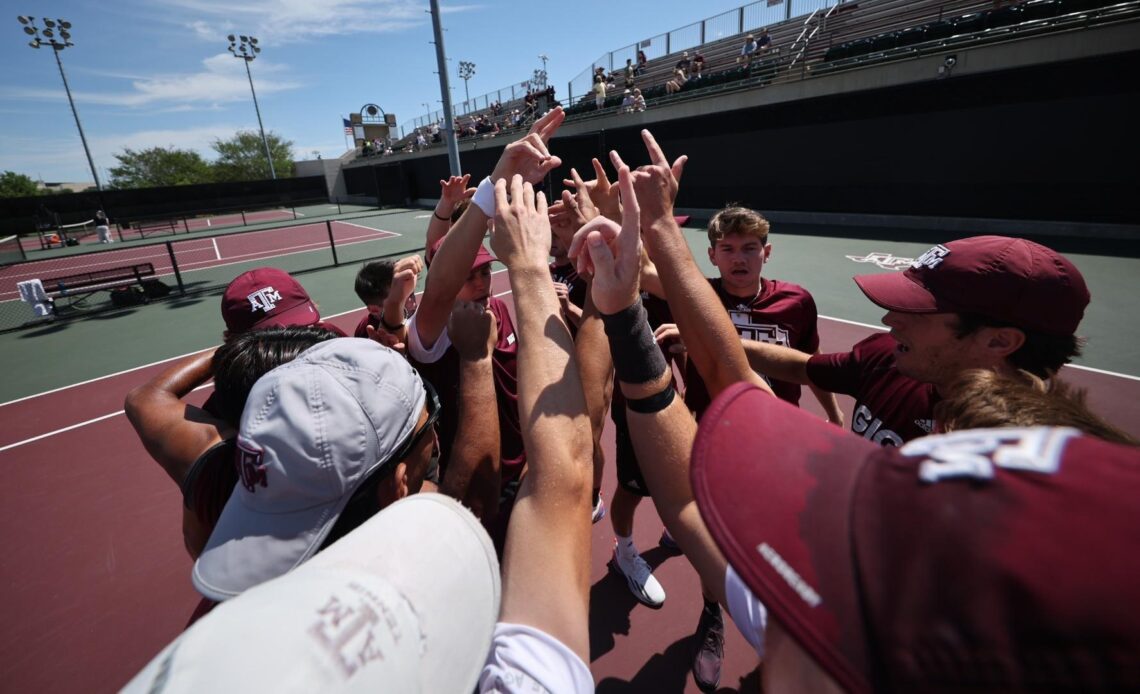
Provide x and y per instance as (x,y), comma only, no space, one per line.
(264,299)
(883,260)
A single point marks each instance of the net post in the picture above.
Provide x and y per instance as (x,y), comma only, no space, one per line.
(174,265)
(294,208)
(186,223)
(332,243)
(243,222)
(20,245)
(119,228)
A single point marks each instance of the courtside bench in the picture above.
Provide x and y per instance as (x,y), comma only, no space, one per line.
(81,285)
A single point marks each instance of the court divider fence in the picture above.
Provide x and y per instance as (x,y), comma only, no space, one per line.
(128,277)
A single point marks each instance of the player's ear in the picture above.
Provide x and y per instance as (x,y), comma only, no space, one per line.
(712,254)
(1004,341)
(767,252)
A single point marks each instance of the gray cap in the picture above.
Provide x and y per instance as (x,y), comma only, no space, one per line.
(312,431)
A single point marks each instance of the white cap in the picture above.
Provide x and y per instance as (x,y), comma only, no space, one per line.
(407,602)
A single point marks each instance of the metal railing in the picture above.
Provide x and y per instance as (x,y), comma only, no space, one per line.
(736,21)
(481,102)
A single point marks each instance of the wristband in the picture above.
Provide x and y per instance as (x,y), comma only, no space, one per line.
(442,219)
(653,403)
(637,358)
(484,197)
(390,328)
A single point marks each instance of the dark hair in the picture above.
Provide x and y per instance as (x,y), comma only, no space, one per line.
(460,208)
(362,505)
(240,362)
(1041,355)
(374,280)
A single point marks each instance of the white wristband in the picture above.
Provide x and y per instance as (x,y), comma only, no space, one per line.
(484,197)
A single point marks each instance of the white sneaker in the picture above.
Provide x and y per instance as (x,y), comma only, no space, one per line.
(599,510)
(639,577)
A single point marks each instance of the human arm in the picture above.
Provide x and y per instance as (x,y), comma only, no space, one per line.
(546,566)
(662,438)
(827,401)
(777,361)
(571,312)
(473,467)
(175,434)
(710,338)
(527,157)
(394,332)
(451,193)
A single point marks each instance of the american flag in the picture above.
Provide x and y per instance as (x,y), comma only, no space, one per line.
(347,126)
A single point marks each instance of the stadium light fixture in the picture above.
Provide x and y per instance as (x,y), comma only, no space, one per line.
(47,37)
(466,72)
(246,48)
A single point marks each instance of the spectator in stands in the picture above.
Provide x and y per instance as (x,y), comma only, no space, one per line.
(102,227)
(195,446)
(325,442)
(685,64)
(677,83)
(599,89)
(747,51)
(387,290)
(638,100)
(764,43)
(421,141)
(697,66)
(629,73)
(641,63)
(626,102)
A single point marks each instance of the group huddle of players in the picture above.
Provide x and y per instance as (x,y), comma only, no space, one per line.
(831,551)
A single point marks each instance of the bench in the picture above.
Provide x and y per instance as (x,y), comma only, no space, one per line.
(147,227)
(81,285)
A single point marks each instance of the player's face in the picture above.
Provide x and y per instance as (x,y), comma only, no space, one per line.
(929,349)
(739,258)
(477,288)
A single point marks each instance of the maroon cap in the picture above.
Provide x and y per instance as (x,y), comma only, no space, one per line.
(984,559)
(1012,280)
(482,256)
(266,298)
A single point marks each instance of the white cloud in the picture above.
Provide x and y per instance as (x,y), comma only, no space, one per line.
(288,21)
(221,80)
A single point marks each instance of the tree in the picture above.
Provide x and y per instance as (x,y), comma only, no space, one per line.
(242,157)
(15,185)
(159,166)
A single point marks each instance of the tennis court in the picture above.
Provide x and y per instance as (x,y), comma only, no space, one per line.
(96,580)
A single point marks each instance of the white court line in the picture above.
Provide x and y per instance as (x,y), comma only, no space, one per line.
(217,253)
(379,231)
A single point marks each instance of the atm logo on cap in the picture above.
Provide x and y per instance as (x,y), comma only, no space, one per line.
(264,299)
(250,461)
(932,258)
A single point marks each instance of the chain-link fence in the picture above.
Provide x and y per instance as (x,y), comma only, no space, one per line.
(130,276)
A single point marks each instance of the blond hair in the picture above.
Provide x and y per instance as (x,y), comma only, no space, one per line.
(981,398)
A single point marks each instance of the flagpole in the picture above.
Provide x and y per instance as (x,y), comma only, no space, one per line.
(347,144)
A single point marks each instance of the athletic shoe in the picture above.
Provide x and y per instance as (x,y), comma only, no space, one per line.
(639,577)
(667,542)
(710,649)
(599,510)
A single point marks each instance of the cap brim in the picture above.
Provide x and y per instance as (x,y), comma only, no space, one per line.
(406,602)
(895,291)
(279,542)
(304,313)
(774,486)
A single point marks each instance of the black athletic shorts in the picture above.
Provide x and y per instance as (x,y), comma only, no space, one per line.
(628,471)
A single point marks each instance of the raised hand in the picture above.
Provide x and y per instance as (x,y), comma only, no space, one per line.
(521,238)
(563,294)
(669,338)
(473,330)
(454,190)
(529,157)
(615,253)
(387,339)
(655,184)
(603,194)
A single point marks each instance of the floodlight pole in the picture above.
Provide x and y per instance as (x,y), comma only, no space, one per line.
(247,52)
(445,92)
(61,26)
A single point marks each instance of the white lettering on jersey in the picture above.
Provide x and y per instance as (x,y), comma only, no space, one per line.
(975,452)
(871,428)
(932,258)
(760,332)
(264,299)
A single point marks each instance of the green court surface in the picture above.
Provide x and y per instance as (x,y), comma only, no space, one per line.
(40,359)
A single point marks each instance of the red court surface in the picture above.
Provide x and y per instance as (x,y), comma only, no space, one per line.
(197,253)
(95,580)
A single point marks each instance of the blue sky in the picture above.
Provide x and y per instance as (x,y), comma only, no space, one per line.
(158,73)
